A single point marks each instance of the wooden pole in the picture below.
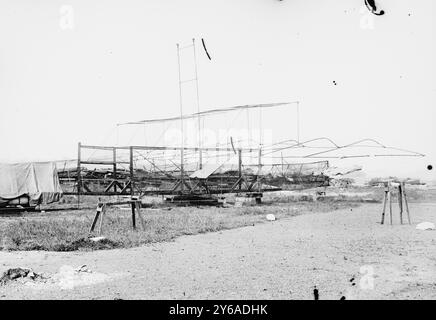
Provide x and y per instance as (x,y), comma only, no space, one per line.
(385,198)
(200,159)
(131,173)
(400,202)
(79,178)
(390,203)
(182,179)
(198,107)
(114,151)
(259,170)
(132,190)
(133,215)
(240,168)
(405,202)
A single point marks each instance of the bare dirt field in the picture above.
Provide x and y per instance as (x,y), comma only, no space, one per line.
(344,253)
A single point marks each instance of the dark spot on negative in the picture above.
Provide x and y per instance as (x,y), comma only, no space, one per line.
(315,293)
(429,167)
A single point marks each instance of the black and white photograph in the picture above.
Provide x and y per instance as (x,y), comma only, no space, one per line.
(236,151)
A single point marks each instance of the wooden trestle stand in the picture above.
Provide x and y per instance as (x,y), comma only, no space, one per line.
(101,210)
(389,189)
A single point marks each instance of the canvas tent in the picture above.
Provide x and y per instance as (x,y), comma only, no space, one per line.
(36,181)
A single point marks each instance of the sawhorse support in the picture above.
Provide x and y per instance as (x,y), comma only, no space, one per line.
(101,210)
(401,196)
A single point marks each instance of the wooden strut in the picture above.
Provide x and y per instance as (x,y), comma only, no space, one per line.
(101,210)
(79,182)
(386,190)
(136,206)
(390,203)
(239,169)
(400,202)
(133,215)
(405,202)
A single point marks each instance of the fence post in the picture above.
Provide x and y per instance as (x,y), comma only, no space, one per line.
(132,188)
(79,177)
(240,168)
(114,150)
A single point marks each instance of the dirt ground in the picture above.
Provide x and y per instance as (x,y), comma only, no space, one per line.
(344,253)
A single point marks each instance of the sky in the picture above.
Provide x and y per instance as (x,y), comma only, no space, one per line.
(70,71)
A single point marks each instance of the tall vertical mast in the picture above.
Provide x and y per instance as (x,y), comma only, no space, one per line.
(198,105)
(181,122)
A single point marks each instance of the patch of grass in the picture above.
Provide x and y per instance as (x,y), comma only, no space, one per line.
(68,231)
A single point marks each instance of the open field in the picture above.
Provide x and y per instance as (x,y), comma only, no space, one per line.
(68,230)
(337,244)
(283,259)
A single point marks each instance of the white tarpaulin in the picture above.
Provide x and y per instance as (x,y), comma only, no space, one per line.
(39,181)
